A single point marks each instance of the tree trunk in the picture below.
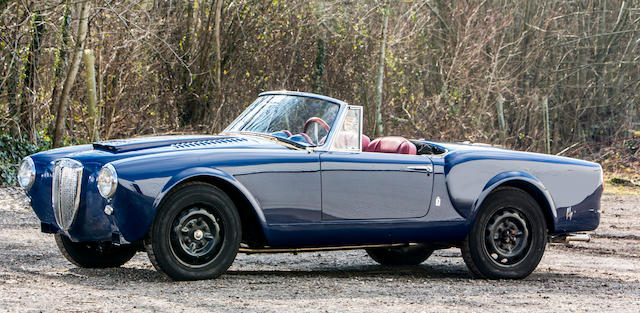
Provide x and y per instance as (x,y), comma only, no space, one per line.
(92,100)
(321,52)
(13,95)
(72,72)
(15,70)
(218,53)
(60,65)
(380,80)
(186,46)
(29,95)
(319,65)
(219,96)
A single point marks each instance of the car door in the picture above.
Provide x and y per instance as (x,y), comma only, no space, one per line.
(370,186)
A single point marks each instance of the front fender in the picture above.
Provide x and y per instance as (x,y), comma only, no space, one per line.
(209,173)
(136,203)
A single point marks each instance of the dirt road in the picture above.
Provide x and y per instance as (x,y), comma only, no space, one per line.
(602,275)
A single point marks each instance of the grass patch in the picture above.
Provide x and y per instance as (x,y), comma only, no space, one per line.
(621,185)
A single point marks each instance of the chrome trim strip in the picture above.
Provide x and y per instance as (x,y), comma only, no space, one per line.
(298,250)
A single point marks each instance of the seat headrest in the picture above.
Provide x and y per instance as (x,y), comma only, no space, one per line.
(392,144)
(365,142)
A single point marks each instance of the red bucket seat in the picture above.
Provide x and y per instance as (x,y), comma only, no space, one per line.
(392,144)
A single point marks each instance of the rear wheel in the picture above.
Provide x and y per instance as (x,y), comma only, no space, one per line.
(411,255)
(508,237)
(94,255)
(196,233)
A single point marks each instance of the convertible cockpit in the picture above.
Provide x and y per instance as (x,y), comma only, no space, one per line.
(322,123)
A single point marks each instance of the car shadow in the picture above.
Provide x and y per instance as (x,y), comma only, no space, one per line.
(362,271)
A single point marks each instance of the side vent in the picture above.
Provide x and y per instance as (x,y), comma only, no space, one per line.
(206,143)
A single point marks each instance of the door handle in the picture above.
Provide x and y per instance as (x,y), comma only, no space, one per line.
(424,169)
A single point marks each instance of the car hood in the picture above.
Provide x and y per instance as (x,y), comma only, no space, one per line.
(131,144)
(102,152)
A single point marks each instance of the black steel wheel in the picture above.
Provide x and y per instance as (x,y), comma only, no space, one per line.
(94,255)
(508,237)
(196,233)
(410,255)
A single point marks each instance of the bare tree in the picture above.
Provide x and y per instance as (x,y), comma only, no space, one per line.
(83,8)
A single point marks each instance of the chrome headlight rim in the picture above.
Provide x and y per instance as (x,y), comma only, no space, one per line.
(26,173)
(107,181)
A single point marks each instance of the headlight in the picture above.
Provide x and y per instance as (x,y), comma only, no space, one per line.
(27,173)
(107,181)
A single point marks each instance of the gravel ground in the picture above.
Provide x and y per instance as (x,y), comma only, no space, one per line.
(602,275)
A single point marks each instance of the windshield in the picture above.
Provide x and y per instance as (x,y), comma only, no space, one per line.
(301,119)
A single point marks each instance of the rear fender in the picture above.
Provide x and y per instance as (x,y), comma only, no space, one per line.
(516,178)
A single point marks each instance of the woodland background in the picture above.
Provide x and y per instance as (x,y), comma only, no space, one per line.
(550,76)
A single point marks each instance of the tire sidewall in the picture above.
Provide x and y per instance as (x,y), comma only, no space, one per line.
(87,255)
(182,199)
(521,201)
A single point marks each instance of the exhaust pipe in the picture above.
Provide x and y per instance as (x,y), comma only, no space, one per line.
(571,237)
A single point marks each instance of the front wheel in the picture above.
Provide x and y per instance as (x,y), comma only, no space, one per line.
(508,236)
(196,233)
(411,255)
(94,255)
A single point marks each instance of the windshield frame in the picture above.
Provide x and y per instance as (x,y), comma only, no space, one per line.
(332,132)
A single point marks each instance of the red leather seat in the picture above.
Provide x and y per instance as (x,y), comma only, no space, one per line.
(365,142)
(392,144)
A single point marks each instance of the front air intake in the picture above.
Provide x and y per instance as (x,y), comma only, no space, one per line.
(65,193)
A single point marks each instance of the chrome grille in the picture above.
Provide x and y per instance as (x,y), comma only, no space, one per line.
(65,193)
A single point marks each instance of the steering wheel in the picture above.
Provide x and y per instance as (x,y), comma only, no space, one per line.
(308,123)
(315,119)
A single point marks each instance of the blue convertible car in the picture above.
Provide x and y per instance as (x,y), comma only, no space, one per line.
(295,173)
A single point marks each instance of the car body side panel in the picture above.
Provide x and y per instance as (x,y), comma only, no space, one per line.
(285,183)
(145,183)
(442,224)
(568,184)
(284,187)
(370,186)
(364,232)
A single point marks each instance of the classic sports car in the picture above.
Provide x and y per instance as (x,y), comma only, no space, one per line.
(295,173)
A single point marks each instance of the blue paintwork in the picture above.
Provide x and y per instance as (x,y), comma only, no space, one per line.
(385,187)
(307,198)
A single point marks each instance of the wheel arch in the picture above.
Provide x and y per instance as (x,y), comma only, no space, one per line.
(251,217)
(525,182)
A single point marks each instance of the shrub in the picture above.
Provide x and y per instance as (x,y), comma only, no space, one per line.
(12,150)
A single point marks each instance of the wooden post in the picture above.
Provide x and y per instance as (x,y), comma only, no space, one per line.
(545,118)
(380,80)
(503,126)
(92,99)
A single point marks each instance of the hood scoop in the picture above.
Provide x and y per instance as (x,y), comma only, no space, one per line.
(124,145)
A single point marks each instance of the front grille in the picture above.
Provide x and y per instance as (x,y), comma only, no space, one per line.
(65,193)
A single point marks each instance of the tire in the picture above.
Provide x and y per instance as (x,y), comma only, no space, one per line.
(196,233)
(94,255)
(412,255)
(508,236)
